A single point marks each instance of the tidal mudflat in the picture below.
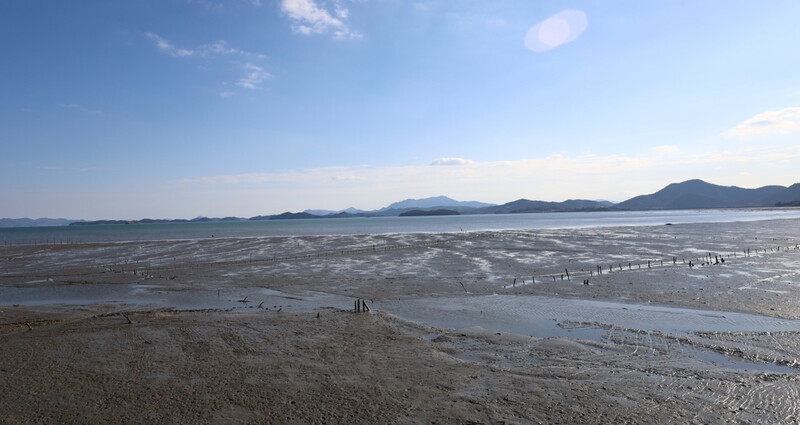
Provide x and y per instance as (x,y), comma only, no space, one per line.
(685,323)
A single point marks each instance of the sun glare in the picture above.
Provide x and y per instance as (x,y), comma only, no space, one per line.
(555,31)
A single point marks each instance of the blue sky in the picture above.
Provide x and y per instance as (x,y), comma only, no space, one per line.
(180,108)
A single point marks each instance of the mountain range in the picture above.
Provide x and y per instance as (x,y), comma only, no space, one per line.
(691,194)
(696,194)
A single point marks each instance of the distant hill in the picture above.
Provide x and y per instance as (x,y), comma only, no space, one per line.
(350,210)
(421,213)
(153,221)
(693,194)
(787,196)
(34,222)
(285,216)
(434,202)
(528,206)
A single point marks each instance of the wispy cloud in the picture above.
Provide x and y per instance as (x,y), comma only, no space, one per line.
(220,47)
(255,76)
(76,107)
(786,120)
(165,46)
(451,161)
(308,18)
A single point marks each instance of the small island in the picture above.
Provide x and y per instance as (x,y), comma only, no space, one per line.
(420,213)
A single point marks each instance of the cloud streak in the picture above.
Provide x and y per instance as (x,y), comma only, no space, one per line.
(786,120)
(168,48)
(216,48)
(255,76)
(451,161)
(76,107)
(308,18)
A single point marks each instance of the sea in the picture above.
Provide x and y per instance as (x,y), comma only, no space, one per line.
(380,225)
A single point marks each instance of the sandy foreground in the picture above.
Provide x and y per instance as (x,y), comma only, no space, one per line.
(480,327)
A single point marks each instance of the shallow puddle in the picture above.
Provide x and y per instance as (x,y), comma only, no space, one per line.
(540,316)
(154,296)
(547,317)
(728,362)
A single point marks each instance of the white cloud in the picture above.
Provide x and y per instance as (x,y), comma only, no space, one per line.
(255,76)
(557,30)
(786,120)
(308,18)
(166,47)
(451,161)
(226,94)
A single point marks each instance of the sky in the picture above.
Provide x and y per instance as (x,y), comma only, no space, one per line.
(128,109)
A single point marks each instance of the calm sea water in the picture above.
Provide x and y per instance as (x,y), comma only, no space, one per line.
(379,225)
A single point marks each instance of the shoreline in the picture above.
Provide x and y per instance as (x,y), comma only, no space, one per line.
(493,227)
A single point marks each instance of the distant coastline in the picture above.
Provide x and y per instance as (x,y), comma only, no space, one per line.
(691,194)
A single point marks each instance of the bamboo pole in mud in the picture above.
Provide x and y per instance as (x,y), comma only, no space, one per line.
(567,273)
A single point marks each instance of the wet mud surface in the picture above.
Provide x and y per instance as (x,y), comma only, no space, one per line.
(690,323)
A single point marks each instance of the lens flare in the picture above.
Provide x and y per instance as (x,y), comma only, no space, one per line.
(557,30)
